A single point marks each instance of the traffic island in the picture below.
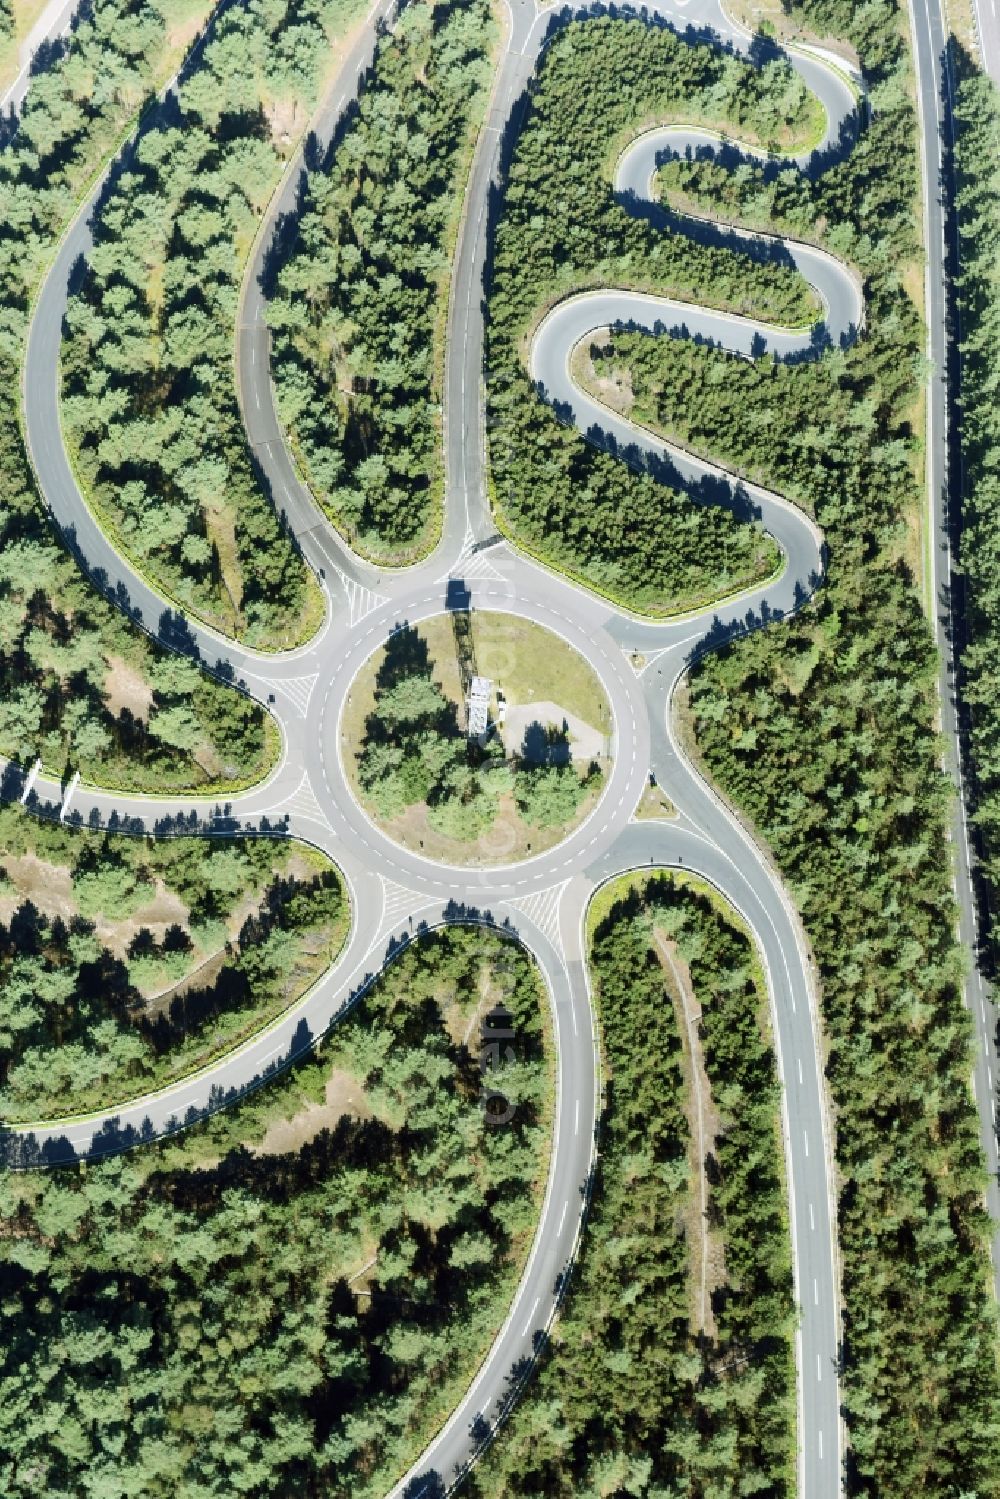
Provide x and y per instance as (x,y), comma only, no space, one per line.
(477,738)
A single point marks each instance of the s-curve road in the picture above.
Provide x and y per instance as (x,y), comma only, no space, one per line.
(543,900)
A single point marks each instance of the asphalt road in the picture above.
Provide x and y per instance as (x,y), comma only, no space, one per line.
(987,20)
(543,899)
(53,22)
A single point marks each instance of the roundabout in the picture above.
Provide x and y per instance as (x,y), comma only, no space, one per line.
(541,894)
(451,739)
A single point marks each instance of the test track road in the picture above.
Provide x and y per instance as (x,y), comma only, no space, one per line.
(543,900)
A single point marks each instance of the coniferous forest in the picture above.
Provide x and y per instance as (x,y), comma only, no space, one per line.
(561,229)
(359,311)
(79,686)
(822,731)
(133,962)
(637,1395)
(977,112)
(289,1298)
(149,400)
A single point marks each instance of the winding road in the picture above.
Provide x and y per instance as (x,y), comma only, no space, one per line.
(542,900)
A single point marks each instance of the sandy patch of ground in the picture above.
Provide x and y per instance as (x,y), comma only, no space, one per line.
(126,687)
(208,759)
(162,911)
(220,527)
(343,1095)
(47,886)
(508,839)
(585,742)
(707,1269)
(286,120)
(463,1022)
(614,387)
(50,888)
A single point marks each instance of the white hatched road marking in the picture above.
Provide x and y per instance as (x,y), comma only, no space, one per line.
(542,908)
(298,690)
(478,565)
(304,801)
(398,903)
(474,564)
(361,601)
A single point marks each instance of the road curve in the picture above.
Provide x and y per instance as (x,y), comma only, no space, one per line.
(108,565)
(279,473)
(544,899)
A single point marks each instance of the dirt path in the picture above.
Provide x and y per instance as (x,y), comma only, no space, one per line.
(707,1262)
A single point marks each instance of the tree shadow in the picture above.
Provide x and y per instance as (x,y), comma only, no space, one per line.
(545,744)
(406,655)
(47,56)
